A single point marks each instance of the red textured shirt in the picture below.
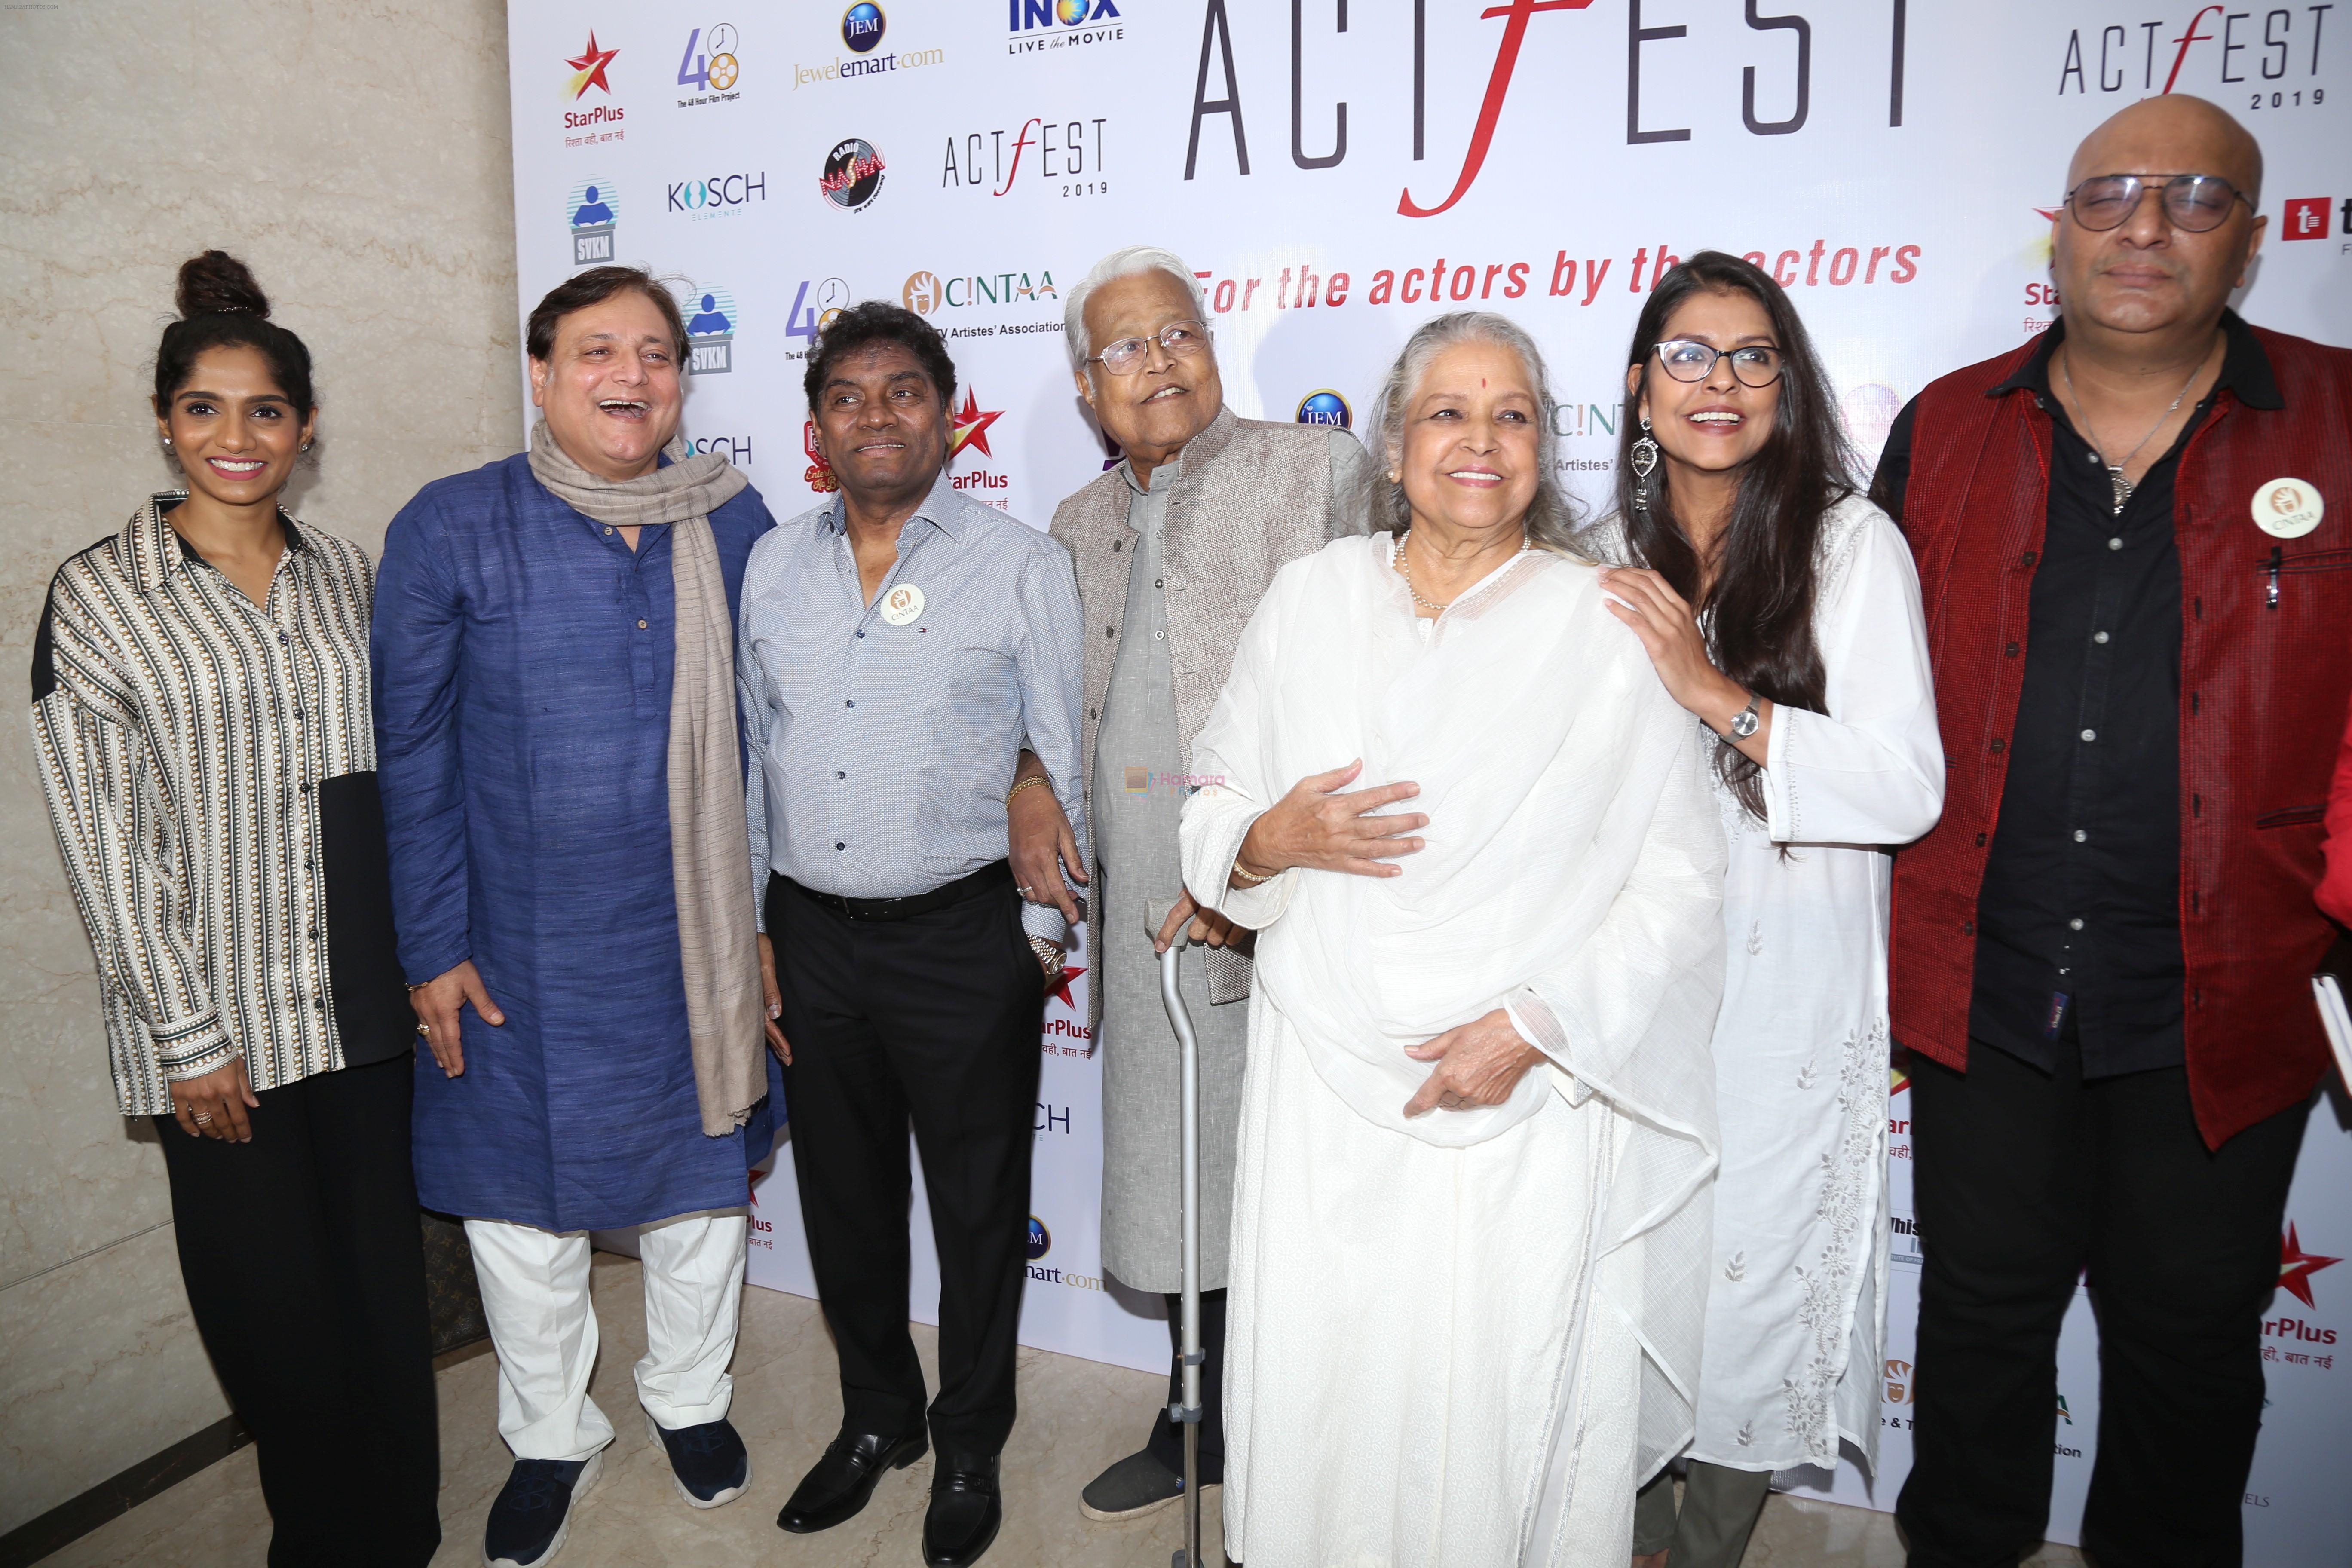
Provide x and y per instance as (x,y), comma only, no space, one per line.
(2336,889)
(2264,680)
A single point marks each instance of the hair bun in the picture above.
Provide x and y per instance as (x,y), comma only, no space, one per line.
(218,283)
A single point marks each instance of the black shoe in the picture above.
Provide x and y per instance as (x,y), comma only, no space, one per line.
(532,1513)
(837,1484)
(1137,1484)
(708,1463)
(965,1510)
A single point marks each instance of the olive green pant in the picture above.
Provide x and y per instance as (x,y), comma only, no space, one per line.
(1719,1508)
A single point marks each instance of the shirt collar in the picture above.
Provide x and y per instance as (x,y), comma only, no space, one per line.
(156,547)
(2245,365)
(1202,447)
(942,509)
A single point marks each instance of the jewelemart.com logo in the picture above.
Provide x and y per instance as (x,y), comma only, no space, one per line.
(863,27)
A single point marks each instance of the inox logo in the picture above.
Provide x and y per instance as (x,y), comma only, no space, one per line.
(1020,16)
(717,191)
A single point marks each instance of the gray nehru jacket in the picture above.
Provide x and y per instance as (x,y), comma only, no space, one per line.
(1168,576)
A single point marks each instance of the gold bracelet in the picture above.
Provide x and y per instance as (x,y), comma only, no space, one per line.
(1022,785)
(1251,878)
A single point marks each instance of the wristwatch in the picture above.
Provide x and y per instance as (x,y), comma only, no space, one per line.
(1048,954)
(1746,723)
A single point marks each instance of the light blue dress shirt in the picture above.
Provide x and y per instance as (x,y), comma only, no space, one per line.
(882,743)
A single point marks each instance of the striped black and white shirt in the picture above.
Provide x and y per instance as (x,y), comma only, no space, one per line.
(209,766)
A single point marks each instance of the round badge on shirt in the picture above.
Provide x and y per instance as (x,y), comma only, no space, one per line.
(2288,508)
(905,602)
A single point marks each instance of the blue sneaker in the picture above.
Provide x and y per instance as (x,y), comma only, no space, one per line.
(707,1464)
(533,1510)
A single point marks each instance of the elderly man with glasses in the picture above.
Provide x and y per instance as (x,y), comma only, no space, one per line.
(2129,534)
(1174,546)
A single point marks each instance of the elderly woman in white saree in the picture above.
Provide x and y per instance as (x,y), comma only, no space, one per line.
(1468,1271)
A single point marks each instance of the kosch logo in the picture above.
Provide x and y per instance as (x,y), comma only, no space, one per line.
(1325,406)
(710,323)
(1041,1240)
(592,212)
(714,193)
(852,174)
(861,27)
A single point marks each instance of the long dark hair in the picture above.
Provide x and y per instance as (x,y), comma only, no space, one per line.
(1759,612)
(222,307)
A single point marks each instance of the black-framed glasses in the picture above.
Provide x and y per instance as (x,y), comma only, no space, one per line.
(2194,203)
(1687,359)
(1180,339)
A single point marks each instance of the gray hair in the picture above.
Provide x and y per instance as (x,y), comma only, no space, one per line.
(1122,264)
(1551,518)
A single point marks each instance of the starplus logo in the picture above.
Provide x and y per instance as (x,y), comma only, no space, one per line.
(969,428)
(587,72)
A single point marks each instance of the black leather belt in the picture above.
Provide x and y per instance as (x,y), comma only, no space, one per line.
(996,874)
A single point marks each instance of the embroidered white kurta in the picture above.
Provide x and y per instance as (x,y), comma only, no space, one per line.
(1797,1309)
(1463,1338)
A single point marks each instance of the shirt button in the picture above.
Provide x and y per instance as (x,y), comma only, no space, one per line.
(2099,637)
(2010,650)
(1159,582)
(840,776)
(1110,631)
(608,533)
(2081,837)
(2115,544)
(2074,924)
(2090,734)
(849,703)
(1160,636)
(841,847)
(861,636)
(641,626)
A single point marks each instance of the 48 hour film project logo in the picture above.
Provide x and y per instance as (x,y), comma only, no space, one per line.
(709,67)
(593,211)
(852,174)
(710,323)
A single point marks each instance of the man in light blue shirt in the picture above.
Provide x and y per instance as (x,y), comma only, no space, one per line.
(897,648)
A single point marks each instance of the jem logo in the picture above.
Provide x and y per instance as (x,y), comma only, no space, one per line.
(1065,148)
(1325,406)
(861,27)
(852,174)
(594,212)
(1040,25)
(710,323)
(713,69)
(1041,1240)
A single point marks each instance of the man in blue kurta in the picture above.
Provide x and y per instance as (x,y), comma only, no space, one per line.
(553,765)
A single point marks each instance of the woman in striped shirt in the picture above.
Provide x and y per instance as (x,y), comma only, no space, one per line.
(201,708)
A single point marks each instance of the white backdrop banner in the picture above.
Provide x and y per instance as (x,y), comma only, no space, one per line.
(1335,173)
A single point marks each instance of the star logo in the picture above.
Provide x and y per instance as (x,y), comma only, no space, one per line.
(1061,988)
(2049,214)
(588,70)
(1898,1079)
(971,427)
(2296,1266)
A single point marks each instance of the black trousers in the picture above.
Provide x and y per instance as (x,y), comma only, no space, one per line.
(1167,1443)
(932,1020)
(305,1267)
(2023,1180)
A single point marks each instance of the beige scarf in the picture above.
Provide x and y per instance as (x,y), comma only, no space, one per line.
(710,842)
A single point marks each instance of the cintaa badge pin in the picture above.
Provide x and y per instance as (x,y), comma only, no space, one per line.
(2288,508)
(905,602)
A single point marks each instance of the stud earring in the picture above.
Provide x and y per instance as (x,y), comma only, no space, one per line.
(167,440)
(1644,457)
(306,446)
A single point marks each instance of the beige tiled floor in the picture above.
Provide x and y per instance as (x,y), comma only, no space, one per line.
(1076,1416)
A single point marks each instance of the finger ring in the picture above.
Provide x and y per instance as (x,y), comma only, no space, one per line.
(424,1028)
(1024,891)
(202,1117)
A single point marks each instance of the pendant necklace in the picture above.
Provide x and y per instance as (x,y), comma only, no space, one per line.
(2120,486)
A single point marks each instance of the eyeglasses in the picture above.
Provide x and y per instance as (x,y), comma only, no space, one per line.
(2195,202)
(1180,339)
(1686,359)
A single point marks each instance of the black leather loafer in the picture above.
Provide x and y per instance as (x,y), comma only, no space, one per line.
(965,1510)
(839,1484)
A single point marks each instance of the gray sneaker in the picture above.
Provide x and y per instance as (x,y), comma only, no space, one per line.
(1137,1484)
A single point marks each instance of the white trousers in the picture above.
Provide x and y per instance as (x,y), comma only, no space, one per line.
(535,1294)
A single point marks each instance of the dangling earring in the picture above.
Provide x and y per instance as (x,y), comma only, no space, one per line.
(1645,458)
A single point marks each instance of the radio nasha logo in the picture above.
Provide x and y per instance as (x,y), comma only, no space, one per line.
(709,67)
(852,174)
(1038,25)
(593,211)
(588,69)
(1325,406)
(710,323)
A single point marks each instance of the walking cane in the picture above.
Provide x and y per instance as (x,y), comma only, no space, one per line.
(1186,1412)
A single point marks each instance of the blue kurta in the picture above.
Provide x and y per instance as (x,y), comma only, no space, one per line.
(523,657)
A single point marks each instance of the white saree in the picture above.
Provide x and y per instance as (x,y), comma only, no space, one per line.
(1463,1338)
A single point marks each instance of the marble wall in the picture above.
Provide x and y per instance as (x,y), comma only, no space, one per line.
(355,154)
